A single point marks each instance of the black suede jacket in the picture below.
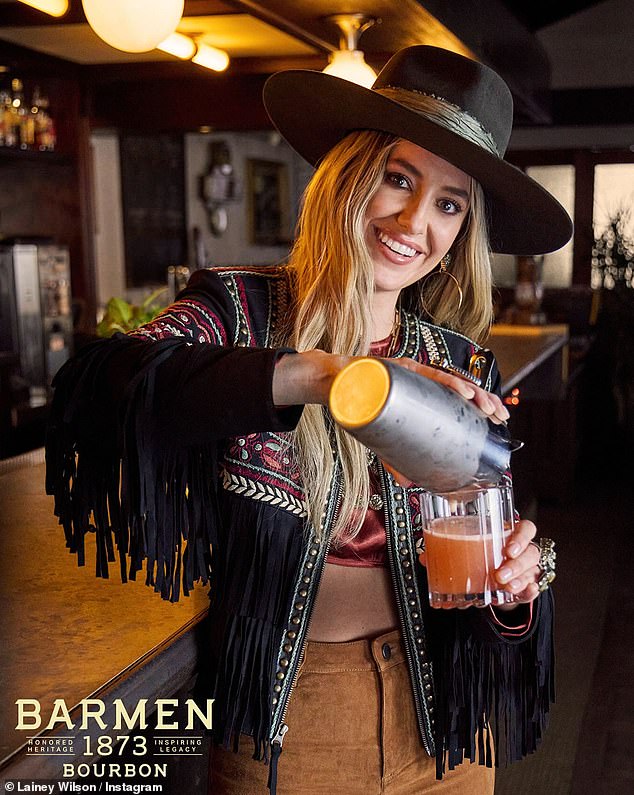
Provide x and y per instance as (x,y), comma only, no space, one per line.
(167,442)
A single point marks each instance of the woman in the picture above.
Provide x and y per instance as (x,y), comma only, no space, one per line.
(209,423)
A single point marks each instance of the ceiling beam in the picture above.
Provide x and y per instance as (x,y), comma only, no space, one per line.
(204,8)
(282,22)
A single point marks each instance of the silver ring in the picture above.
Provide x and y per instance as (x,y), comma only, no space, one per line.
(546,563)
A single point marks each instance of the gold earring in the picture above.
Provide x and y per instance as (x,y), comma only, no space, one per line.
(444,264)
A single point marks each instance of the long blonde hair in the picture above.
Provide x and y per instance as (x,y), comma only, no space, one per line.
(332,279)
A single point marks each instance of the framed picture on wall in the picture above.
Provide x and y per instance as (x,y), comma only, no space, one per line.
(268,203)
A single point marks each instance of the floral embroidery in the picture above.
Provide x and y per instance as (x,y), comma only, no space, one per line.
(261,466)
(185,318)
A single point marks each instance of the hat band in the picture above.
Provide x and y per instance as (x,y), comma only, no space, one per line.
(444,113)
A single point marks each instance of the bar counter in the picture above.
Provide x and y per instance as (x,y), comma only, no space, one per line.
(541,395)
(521,350)
(69,635)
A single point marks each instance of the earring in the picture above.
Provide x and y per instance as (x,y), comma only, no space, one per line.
(444,264)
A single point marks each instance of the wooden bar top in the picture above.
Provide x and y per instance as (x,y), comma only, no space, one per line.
(65,632)
(520,350)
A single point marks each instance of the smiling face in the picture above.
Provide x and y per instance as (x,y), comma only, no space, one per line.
(413,218)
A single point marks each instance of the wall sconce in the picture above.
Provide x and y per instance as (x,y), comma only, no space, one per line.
(133,26)
(348,61)
(56,8)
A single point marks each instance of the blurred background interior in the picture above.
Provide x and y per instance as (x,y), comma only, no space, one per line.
(122,172)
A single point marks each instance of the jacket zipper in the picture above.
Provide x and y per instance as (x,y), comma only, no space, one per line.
(276,750)
(281,729)
(401,611)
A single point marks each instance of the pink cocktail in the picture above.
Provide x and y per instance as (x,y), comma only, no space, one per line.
(465,533)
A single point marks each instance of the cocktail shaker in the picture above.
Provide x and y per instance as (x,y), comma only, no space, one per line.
(423,429)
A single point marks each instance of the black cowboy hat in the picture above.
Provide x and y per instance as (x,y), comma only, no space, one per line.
(314,111)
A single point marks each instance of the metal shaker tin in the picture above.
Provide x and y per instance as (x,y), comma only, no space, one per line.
(423,429)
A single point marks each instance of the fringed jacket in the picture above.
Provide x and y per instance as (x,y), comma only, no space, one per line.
(166,443)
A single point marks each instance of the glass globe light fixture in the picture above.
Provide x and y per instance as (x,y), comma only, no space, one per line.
(348,61)
(133,25)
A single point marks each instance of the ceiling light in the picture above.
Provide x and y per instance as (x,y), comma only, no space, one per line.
(351,65)
(133,25)
(56,8)
(210,57)
(179,45)
(348,61)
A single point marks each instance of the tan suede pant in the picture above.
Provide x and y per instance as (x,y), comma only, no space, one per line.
(352,731)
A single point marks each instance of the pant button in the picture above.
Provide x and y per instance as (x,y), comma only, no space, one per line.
(386,651)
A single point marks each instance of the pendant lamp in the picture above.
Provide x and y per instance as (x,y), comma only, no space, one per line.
(348,62)
(133,25)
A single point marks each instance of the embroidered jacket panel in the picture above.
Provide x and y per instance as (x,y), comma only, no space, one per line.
(206,456)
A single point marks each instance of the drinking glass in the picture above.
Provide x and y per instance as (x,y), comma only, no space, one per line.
(465,532)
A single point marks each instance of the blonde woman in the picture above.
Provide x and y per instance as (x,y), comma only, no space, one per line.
(322,642)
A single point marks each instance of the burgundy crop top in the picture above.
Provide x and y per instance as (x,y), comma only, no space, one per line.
(369,547)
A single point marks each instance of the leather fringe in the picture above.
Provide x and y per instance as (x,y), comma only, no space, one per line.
(495,688)
(113,472)
(249,606)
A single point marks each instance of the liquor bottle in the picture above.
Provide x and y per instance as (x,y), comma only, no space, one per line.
(22,113)
(36,115)
(11,120)
(45,136)
(51,142)
(5,102)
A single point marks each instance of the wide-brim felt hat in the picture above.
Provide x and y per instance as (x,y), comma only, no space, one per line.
(314,111)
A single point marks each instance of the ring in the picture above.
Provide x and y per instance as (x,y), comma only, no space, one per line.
(546,563)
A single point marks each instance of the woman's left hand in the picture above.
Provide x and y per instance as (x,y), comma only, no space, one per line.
(519,571)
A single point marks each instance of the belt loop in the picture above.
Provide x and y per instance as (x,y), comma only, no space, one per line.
(300,667)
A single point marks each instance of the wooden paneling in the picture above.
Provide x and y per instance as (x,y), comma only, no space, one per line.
(221,101)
